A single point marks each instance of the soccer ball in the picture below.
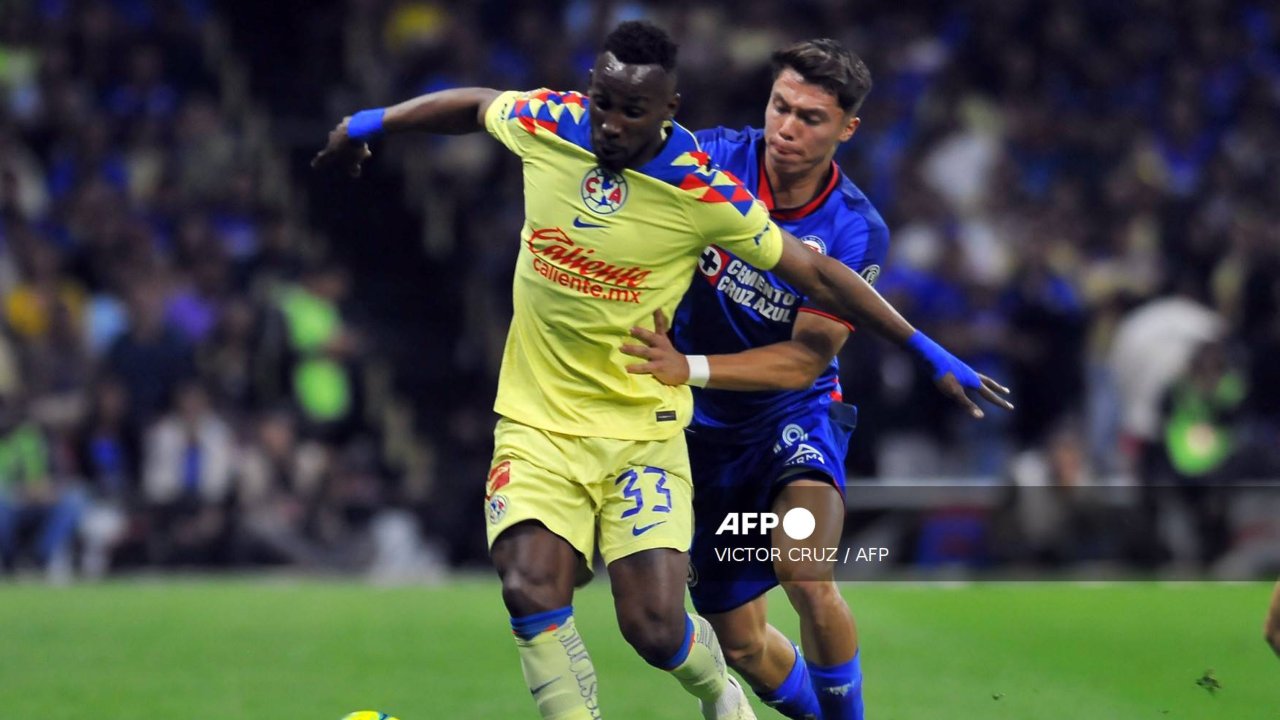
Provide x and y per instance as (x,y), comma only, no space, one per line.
(368,715)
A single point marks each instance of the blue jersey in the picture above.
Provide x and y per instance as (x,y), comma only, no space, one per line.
(731,306)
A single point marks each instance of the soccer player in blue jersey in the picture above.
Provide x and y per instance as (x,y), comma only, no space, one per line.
(782,445)
(619,205)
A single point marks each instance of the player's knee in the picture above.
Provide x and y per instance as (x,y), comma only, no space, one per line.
(526,591)
(743,651)
(656,635)
(813,598)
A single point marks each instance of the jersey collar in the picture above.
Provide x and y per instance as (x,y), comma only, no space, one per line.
(764,191)
(673,146)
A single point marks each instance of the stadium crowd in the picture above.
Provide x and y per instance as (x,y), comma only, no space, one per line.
(1082,198)
(179,384)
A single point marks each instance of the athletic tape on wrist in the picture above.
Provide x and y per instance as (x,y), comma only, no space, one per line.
(366,124)
(699,370)
(943,362)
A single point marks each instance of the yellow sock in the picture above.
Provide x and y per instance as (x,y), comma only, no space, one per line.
(701,669)
(559,673)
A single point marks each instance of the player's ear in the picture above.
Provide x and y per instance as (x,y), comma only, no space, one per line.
(673,105)
(850,128)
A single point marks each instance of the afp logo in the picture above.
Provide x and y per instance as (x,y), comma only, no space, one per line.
(603,192)
(798,523)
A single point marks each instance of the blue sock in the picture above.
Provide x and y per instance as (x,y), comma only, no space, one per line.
(686,645)
(531,626)
(839,689)
(795,697)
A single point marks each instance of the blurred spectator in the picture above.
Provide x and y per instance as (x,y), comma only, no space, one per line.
(320,351)
(109,459)
(1151,348)
(229,359)
(88,157)
(195,306)
(151,358)
(10,368)
(32,502)
(278,260)
(22,182)
(235,220)
(1046,348)
(47,311)
(351,496)
(206,149)
(280,479)
(1056,511)
(43,296)
(1200,415)
(144,93)
(187,478)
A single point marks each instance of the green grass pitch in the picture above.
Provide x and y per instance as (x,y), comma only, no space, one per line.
(259,650)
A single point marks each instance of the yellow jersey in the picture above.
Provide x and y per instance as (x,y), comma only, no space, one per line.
(599,253)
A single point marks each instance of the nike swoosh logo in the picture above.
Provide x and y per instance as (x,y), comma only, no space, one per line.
(580,223)
(543,686)
(638,531)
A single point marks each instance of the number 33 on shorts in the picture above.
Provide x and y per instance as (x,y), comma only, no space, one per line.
(633,484)
(646,508)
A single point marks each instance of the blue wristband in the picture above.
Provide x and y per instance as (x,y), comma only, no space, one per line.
(943,362)
(366,124)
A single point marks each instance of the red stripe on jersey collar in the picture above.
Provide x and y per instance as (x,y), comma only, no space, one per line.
(765,193)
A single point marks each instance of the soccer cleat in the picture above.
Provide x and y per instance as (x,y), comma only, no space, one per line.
(732,705)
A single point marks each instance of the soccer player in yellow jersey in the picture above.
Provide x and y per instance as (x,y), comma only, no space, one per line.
(619,204)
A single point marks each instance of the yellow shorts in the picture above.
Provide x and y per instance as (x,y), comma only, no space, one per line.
(629,495)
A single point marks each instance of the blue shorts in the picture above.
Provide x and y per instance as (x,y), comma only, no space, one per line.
(742,478)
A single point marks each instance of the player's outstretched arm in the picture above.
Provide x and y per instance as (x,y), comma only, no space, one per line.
(789,365)
(831,285)
(1272,627)
(456,111)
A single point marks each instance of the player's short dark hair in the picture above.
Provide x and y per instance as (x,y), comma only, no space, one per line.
(639,42)
(827,63)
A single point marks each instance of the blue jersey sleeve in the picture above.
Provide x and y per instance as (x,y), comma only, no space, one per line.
(707,138)
(710,140)
(730,149)
(862,245)
(875,251)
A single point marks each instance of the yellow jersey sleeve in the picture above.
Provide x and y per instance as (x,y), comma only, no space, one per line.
(523,120)
(753,236)
(728,215)
(499,121)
